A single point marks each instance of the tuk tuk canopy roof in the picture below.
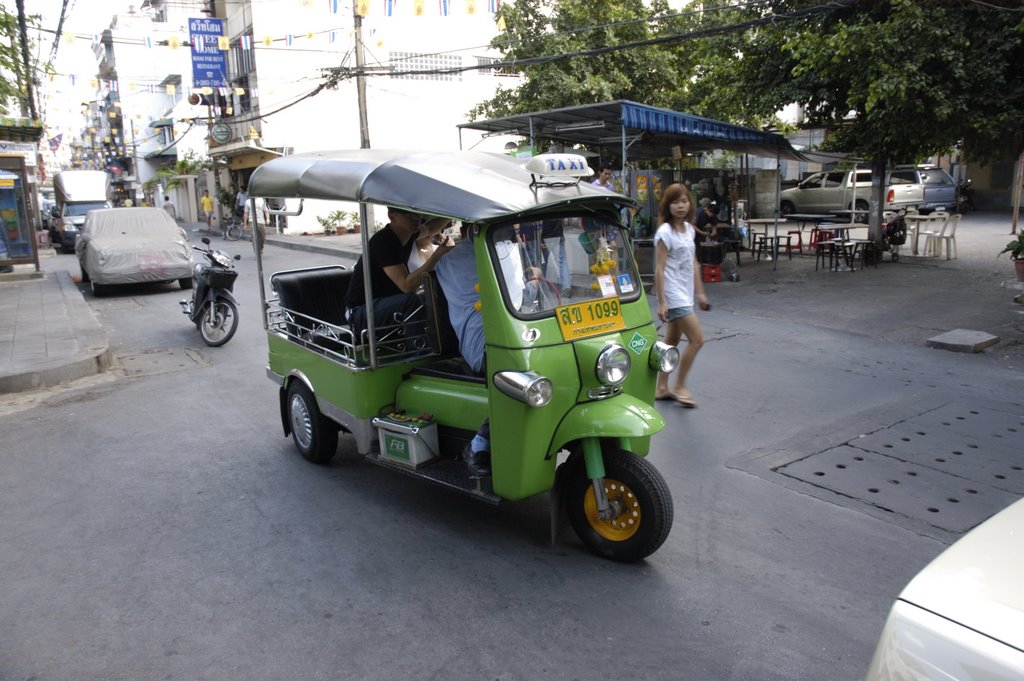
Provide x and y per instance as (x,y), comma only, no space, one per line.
(471,186)
(641,131)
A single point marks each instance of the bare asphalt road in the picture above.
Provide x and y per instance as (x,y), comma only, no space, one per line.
(155,523)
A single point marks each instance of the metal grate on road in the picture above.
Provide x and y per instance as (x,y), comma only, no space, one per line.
(951,467)
(949,502)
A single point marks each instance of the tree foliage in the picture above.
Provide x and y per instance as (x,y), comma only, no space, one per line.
(10,63)
(13,73)
(189,164)
(897,80)
(540,28)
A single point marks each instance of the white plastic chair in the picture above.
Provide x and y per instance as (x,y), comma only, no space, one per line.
(948,235)
(936,228)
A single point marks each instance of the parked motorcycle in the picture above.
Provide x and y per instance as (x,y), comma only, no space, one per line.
(964,196)
(213,308)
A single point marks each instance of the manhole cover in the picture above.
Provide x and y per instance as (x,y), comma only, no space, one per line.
(974,444)
(946,465)
(161,361)
(946,501)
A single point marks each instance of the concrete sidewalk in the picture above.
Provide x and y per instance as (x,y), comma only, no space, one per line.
(49,334)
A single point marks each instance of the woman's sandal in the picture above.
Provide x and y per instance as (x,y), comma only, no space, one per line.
(666,396)
(685,401)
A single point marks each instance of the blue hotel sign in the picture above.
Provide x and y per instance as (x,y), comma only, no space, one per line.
(209,62)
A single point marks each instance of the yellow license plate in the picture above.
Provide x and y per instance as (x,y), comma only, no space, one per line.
(590,318)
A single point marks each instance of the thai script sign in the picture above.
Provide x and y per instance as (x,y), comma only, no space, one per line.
(209,63)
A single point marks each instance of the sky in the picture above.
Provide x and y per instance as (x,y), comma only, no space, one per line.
(59,99)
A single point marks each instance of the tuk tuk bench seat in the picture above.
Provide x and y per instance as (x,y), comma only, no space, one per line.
(313,302)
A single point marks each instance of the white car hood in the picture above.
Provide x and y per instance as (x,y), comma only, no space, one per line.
(979,581)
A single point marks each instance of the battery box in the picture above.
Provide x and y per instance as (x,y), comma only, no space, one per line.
(408,441)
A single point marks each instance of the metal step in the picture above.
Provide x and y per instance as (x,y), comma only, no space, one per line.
(447,473)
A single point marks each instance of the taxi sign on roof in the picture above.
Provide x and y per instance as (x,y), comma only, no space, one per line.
(566,165)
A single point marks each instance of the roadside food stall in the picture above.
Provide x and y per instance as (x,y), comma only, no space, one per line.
(634,132)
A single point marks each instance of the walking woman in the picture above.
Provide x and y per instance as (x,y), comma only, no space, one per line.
(679,287)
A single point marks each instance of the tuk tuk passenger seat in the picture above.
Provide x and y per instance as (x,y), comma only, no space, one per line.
(312,298)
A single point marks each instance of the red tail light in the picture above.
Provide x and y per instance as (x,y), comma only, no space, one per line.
(890,196)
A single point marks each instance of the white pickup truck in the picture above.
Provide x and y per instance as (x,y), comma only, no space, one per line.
(929,188)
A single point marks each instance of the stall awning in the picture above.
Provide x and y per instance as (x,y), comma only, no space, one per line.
(20,129)
(647,132)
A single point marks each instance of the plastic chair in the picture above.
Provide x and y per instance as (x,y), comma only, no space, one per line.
(934,242)
(788,245)
(799,242)
(767,245)
(930,234)
(731,241)
(824,251)
(821,232)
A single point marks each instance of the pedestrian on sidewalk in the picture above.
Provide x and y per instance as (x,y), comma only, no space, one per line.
(679,286)
(206,205)
(169,207)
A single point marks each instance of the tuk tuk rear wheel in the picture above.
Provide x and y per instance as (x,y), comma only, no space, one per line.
(315,435)
(640,497)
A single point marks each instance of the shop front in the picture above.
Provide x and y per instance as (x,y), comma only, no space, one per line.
(19,190)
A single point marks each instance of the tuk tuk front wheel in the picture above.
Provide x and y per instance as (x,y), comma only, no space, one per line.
(315,435)
(640,500)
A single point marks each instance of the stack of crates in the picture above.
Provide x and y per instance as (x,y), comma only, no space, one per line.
(711,273)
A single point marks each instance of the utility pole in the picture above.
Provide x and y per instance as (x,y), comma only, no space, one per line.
(135,167)
(364,126)
(30,92)
(1018,182)
(213,166)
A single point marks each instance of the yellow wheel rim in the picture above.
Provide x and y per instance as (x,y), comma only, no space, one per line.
(622,526)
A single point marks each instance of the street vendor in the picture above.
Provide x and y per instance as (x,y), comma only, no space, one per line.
(707,220)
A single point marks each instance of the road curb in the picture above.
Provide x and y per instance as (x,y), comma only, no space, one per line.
(93,357)
(300,244)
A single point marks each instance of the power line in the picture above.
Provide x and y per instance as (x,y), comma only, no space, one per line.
(344,73)
(335,75)
(998,7)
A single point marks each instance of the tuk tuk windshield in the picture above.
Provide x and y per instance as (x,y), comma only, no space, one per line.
(557,261)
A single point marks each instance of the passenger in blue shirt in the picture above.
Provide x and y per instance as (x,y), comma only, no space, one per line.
(456,272)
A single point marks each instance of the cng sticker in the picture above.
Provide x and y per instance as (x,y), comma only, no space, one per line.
(637,343)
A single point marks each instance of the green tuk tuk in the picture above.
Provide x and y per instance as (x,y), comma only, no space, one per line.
(571,352)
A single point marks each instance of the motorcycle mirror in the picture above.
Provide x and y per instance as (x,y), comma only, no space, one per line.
(206,240)
(238,256)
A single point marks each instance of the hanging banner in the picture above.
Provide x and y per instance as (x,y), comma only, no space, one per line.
(209,62)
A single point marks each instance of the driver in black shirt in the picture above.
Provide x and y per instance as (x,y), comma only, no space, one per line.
(394,286)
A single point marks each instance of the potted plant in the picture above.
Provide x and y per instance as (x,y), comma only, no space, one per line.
(339,221)
(1016,250)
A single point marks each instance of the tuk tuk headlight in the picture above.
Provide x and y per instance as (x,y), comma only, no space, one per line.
(612,365)
(525,386)
(664,357)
